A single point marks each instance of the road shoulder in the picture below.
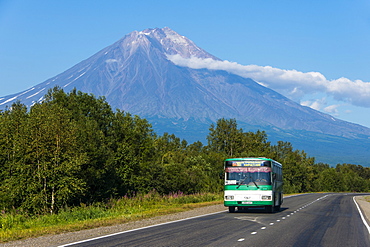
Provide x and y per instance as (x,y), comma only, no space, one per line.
(64,238)
(364,206)
(69,237)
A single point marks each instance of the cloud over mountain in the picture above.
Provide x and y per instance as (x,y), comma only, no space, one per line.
(293,83)
(180,88)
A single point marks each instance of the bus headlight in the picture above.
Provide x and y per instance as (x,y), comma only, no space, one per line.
(266,197)
(229,197)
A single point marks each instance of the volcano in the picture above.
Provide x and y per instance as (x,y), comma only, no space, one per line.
(136,74)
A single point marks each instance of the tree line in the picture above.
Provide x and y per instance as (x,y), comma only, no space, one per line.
(72,148)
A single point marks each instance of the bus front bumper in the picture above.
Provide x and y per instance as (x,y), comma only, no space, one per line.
(247,203)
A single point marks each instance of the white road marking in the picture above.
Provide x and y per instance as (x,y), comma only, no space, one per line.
(362,217)
(117,233)
(263,228)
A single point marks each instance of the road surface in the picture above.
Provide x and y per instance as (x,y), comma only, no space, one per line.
(304,220)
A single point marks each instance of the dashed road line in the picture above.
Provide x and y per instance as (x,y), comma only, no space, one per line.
(292,213)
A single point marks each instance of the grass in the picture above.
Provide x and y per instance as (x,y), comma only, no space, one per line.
(15,226)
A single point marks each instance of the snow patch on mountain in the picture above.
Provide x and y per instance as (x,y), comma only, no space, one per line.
(9,100)
(43,89)
(159,73)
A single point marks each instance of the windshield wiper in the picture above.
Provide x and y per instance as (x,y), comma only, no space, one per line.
(246,179)
(241,182)
(255,183)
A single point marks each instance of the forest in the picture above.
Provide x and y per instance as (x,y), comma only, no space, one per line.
(73,148)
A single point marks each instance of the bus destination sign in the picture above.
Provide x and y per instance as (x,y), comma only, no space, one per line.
(248,163)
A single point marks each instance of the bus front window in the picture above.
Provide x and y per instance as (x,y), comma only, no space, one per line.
(248,175)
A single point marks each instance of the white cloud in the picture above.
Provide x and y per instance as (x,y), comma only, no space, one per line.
(292,83)
(332,109)
(317,104)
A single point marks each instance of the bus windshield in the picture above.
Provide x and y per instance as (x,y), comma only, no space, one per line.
(248,175)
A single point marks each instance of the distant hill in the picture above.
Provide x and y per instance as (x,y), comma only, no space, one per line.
(135,75)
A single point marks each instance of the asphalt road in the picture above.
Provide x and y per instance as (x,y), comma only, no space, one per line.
(304,220)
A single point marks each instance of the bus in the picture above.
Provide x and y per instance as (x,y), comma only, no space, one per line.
(253,183)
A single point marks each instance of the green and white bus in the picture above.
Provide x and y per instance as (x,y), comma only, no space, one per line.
(253,183)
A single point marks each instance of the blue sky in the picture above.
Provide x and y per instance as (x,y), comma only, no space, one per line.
(40,39)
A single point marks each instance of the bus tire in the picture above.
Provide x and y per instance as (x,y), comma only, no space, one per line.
(232,209)
(270,209)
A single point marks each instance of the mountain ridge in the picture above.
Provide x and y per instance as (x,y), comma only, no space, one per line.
(134,74)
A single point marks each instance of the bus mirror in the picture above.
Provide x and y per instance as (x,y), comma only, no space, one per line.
(274,175)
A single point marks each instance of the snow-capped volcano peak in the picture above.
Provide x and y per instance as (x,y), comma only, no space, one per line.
(136,75)
(173,43)
(176,38)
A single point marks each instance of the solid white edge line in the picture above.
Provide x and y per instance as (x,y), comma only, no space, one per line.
(132,230)
(362,216)
(141,228)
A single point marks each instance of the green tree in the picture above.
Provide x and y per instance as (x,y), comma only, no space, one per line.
(13,149)
(54,161)
(330,181)
(352,179)
(43,159)
(93,117)
(297,167)
(255,144)
(225,137)
(134,154)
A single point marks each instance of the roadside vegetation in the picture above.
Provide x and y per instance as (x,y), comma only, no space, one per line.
(70,160)
(115,211)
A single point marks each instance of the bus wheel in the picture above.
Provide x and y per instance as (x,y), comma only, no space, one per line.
(270,209)
(232,209)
